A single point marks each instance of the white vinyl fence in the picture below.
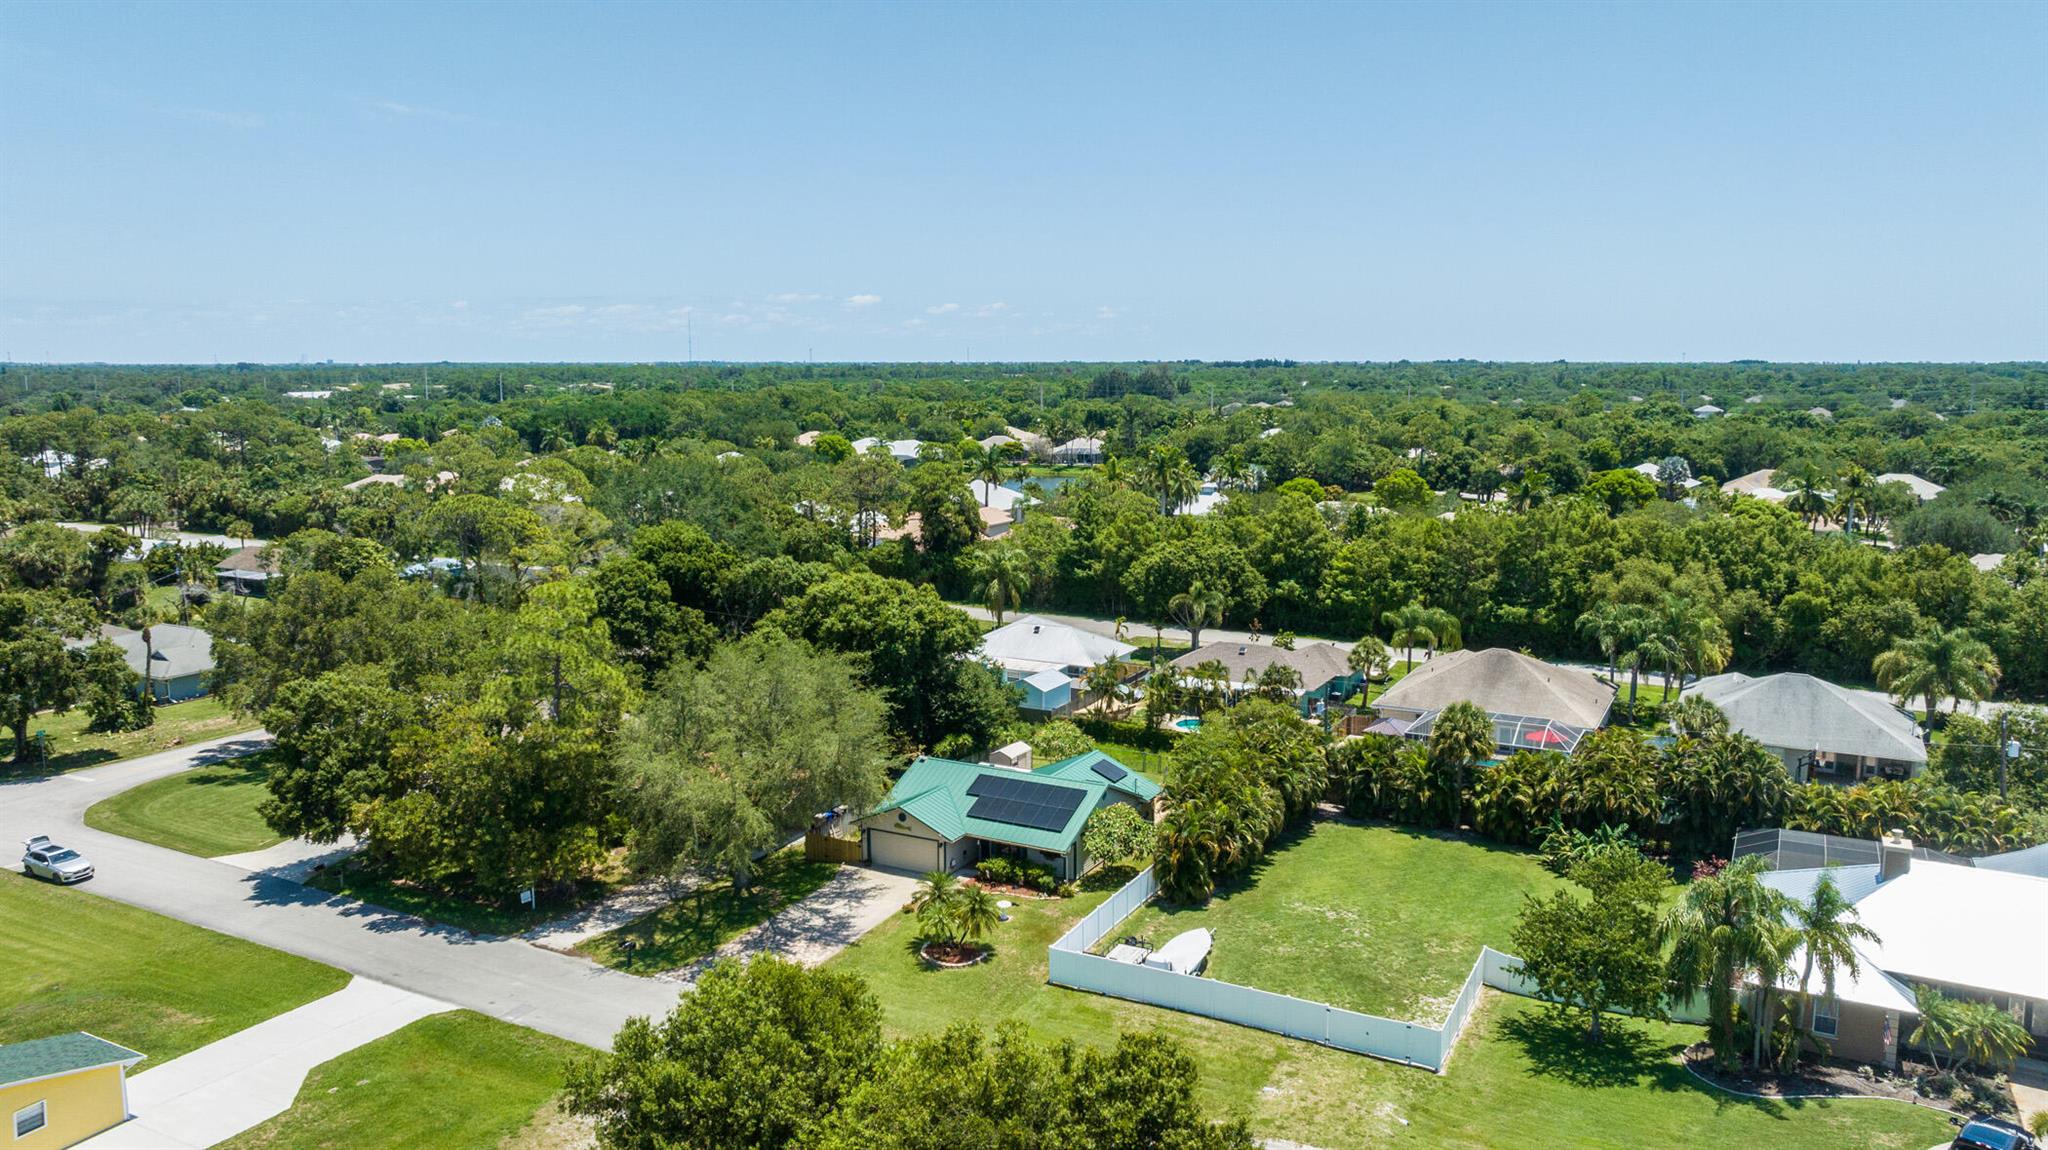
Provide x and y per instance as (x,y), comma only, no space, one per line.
(1069,964)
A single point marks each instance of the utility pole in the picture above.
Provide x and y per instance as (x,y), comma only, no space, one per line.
(2008,750)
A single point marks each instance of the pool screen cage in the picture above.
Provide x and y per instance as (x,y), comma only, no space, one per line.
(1801,850)
(1516,732)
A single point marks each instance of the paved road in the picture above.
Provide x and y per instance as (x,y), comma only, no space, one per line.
(503,977)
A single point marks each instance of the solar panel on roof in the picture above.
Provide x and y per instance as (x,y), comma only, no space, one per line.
(1024,803)
(1108,770)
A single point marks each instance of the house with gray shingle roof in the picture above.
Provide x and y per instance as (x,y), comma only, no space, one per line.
(173,661)
(1325,668)
(1822,731)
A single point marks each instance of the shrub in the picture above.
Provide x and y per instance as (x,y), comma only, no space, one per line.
(1115,833)
(1565,847)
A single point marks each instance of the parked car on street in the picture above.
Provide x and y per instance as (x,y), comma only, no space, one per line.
(45,859)
(1986,1133)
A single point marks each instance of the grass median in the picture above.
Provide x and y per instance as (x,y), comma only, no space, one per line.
(208,811)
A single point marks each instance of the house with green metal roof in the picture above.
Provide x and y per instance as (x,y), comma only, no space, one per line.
(61,1090)
(943,814)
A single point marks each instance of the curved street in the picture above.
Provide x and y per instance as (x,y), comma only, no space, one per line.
(503,977)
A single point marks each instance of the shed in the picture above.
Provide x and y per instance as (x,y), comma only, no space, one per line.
(61,1090)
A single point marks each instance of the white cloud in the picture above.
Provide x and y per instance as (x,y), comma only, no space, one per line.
(1107,312)
(990,310)
(942,309)
(795,297)
(401,109)
(863,300)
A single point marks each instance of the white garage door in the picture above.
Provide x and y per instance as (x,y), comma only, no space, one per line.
(902,852)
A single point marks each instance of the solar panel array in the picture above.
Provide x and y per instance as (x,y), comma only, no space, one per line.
(1110,771)
(1023,802)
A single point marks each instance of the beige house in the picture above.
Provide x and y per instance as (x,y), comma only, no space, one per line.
(1535,706)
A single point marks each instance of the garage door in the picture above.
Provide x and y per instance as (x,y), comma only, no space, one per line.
(902,852)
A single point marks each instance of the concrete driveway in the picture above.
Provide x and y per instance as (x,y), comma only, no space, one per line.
(226,1087)
(502,977)
(855,901)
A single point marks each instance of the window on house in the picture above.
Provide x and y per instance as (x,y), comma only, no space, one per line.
(1826,1016)
(30,1119)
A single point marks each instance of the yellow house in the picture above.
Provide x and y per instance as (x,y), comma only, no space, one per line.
(61,1090)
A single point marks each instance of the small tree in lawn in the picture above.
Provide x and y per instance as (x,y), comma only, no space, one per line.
(1967,1032)
(935,904)
(1600,952)
(1115,833)
(975,914)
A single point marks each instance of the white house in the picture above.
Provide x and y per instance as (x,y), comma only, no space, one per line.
(1044,655)
(1970,931)
(1926,489)
(1085,449)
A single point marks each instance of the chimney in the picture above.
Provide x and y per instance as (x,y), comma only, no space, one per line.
(1896,856)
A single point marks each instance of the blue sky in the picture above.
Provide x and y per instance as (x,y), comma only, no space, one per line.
(593,182)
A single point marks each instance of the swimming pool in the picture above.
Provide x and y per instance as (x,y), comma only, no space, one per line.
(1188,724)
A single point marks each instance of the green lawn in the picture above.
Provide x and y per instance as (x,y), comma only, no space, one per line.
(70,960)
(1510,1085)
(206,811)
(456,1081)
(1380,919)
(701,922)
(462,910)
(73,747)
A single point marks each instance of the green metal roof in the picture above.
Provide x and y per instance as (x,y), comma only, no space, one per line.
(1081,769)
(934,791)
(59,1054)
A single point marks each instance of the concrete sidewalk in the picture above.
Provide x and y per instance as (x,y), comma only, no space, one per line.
(226,1087)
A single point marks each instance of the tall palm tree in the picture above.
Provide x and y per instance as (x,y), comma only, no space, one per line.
(1853,491)
(1807,499)
(1001,573)
(1721,931)
(1947,664)
(1182,485)
(1607,625)
(1415,624)
(1829,928)
(1195,608)
(1461,736)
(989,464)
(1691,638)
(1233,471)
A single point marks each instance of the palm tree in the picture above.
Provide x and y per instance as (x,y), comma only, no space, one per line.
(1233,471)
(1196,608)
(1692,638)
(1807,500)
(1528,489)
(1608,625)
(934,903)
(1415,623)
(1106,680)
(1182,485)
(1368,657)
(1001,573)
(1941,664)
(1723,929)
(989,464)
(1113,471)
(1853,491)
(1461,736)
(1829,929)
(975,914)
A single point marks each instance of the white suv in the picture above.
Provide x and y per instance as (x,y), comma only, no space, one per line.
(45,859)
